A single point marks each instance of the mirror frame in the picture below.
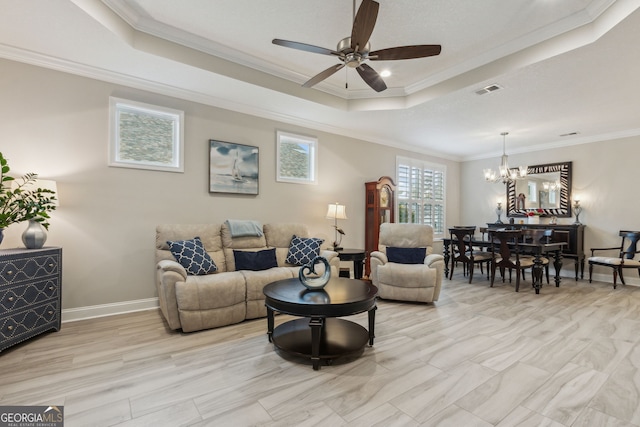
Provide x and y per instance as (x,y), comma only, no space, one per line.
(565,191)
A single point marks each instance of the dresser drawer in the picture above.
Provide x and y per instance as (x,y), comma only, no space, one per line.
(15,297)
(28,323)
(17,270)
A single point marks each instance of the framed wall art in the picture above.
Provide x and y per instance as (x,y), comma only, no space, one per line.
(145,136)
(233,168)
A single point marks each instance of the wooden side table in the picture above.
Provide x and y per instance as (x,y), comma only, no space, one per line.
(357,256)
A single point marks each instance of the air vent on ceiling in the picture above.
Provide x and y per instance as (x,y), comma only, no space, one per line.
(488,89)
(570,134)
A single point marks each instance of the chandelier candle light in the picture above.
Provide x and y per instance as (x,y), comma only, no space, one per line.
(505,174)
(335,212)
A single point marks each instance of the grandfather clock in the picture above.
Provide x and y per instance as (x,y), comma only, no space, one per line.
(380,207)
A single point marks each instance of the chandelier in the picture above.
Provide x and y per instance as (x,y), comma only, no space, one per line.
(505,174)
(552,186)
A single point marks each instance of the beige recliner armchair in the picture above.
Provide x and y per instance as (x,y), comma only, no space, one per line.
(405,267)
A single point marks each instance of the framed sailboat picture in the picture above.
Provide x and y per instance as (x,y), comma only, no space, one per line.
(233,168)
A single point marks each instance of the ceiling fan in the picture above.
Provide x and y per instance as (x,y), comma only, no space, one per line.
(353,51)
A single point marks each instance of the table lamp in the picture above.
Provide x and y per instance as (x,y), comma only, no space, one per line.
(335,212)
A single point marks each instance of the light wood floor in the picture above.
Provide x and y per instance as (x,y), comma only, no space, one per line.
(478,357)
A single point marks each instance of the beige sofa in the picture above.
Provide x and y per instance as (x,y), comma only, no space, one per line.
(196,302)
(407,280)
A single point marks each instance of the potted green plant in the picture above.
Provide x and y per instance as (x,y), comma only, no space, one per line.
(21,201)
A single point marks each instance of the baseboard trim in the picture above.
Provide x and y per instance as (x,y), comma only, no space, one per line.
(93,311)
(103,310)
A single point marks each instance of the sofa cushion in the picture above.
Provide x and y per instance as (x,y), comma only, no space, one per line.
(278,235)
(192,256)
(406,255)
(255,261)
(209,236)
(256,281)
(303,250)
(211,301)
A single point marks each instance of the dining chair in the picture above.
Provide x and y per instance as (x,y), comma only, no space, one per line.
(625,258)
(466,254)
(484,231)
(506,246)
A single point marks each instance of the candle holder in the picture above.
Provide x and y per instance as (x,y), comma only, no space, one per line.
(499,213)
(578,210)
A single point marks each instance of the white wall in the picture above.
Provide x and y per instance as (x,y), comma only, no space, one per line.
(603,176)
(56,124)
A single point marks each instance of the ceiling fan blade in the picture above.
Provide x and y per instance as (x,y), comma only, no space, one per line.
(305,47)
(371,77)
(323,75)
(405,52)
(363,24)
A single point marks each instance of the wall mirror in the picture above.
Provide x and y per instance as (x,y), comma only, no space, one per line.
(546,187)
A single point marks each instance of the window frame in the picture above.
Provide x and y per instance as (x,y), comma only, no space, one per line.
(117,157)
(412,201)
(311,143)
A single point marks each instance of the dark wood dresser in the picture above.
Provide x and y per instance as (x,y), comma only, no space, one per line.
(30,293)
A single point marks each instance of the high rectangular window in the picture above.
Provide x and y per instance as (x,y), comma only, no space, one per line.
(297,158)
(145,136)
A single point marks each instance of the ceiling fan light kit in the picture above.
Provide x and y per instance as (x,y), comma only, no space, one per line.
(354,50)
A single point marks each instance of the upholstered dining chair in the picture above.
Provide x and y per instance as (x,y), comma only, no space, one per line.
(466,254)
(507,251)
(627,251)
(404,267)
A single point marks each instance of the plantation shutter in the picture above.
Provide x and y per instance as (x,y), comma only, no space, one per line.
(421,193)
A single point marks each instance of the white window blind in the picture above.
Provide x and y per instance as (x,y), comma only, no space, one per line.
(421,193)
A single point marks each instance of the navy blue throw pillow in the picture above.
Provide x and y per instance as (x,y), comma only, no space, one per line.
(406,255)
(256,261)
(192,256)
(303,250)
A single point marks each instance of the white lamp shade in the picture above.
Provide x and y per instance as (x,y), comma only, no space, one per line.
(336,211)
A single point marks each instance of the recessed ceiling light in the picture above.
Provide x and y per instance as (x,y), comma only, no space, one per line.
(385,73)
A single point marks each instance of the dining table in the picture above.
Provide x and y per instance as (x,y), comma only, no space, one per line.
(539,250)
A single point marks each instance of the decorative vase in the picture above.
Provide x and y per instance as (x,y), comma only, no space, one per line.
(34,236)
(535,219)
(315,282)
(1,234)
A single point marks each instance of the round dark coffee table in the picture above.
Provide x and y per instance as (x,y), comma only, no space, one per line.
(319,335)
